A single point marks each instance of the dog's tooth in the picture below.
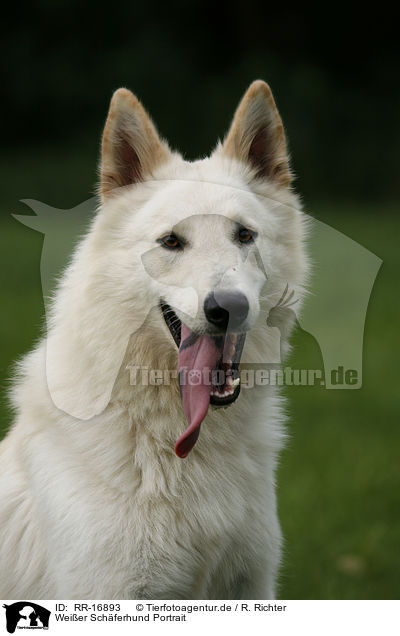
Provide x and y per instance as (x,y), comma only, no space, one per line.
(229,388)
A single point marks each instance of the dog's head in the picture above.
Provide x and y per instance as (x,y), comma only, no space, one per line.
(206,242)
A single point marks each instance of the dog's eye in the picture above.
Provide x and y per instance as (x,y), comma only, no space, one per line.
(245,235)
(170,241)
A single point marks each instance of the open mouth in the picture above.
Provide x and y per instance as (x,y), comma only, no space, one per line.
(208,373)
(225,378)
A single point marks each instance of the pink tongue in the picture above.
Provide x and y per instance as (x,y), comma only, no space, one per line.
(197,357)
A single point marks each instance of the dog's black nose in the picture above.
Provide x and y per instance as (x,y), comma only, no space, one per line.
(226,309)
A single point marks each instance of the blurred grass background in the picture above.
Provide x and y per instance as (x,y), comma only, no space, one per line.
(335,86)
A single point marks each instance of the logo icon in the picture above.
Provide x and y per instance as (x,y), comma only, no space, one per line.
(26,615)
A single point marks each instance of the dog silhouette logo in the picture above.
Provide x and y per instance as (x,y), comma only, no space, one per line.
(333,310)
(26,615)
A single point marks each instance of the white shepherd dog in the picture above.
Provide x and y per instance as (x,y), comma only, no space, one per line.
(108,489)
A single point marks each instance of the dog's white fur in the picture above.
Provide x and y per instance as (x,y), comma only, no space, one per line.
(93,501)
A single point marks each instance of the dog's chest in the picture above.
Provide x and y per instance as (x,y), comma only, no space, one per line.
(190,524)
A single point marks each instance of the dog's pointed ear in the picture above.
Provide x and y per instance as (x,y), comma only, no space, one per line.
(131,147)
(256,135)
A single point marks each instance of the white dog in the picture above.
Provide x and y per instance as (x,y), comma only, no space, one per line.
(178,272)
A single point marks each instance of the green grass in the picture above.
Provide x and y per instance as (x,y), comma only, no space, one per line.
(339,481)
(339,478)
